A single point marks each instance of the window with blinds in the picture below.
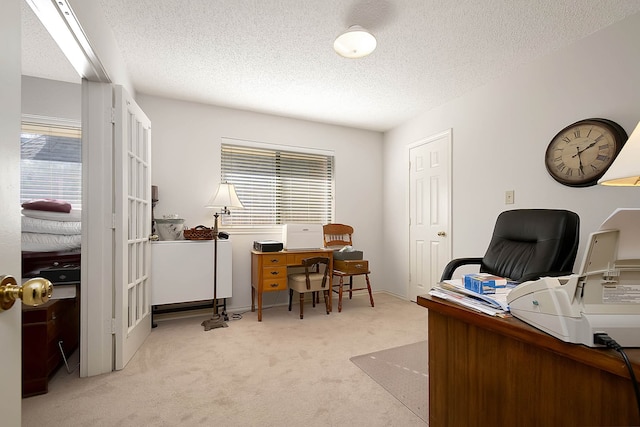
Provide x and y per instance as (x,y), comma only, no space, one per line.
(278,186)
(51,163)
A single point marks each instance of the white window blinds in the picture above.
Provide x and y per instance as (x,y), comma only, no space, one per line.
(51,163)
(277,186)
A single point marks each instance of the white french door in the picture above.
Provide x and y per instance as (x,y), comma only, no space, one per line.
(430,211)
(132,175)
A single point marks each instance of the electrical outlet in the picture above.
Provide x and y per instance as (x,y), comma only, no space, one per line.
(509,197)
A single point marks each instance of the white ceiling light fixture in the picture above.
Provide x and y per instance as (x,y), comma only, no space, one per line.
(355,42)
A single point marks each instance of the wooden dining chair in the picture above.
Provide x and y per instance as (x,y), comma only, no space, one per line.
(337,235)
(314,279)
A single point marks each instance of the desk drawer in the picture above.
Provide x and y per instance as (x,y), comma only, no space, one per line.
(271,260)
(270,273)
(296,259)
(269,284)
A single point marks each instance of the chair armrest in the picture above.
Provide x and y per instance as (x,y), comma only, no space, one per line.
(451,267)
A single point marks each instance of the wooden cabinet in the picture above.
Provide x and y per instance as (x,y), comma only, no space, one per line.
(43,328)
(34,262)
(56,321)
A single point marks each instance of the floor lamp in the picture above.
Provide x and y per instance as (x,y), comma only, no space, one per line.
(625,170)
(222,202)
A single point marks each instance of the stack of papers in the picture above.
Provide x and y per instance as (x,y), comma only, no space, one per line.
(454,291)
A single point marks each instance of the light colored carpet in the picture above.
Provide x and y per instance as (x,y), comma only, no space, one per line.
(402,371)
(282,371)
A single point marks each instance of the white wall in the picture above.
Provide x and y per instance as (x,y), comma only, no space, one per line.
(51,98)
(500,134)
(186,140)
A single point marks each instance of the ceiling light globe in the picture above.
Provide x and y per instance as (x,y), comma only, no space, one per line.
(356,42)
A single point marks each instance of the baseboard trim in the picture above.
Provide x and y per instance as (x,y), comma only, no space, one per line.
(244,309)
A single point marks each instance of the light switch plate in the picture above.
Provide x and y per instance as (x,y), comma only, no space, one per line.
(509,197)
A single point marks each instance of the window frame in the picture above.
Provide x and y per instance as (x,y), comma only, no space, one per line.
(74,126)
(248,228)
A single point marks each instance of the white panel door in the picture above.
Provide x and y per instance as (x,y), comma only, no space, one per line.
(132,265)
(429,210)
(10,320)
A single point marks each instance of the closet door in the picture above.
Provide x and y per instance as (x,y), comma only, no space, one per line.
(132,173)
(430,211)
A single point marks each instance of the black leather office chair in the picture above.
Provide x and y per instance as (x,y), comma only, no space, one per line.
(528,244)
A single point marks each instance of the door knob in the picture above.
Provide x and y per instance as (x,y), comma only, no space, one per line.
(33,292)
(441,233)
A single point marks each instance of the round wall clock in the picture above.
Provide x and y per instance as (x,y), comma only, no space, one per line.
(583,151)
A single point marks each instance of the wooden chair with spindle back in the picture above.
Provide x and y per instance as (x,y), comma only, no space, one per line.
(338,236)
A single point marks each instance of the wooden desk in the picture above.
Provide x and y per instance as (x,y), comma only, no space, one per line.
(269,271)
(489,371)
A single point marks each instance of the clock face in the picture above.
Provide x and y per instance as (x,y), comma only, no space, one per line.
(582,152)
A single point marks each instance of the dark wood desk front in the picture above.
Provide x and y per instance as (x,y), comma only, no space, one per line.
(269,271)
(485,370)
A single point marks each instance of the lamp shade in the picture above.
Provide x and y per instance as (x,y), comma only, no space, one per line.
(625,170)
(225,197)
(355,42)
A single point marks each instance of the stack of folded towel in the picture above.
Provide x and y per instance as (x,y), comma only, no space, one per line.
(50,225)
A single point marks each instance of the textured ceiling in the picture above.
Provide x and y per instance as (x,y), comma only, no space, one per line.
(276,56)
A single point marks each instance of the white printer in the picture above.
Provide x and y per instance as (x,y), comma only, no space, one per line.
(302,236)
(604,297)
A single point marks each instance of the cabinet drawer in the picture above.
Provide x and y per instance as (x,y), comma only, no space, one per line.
(51,310)
(274,260)
(274,284)
(351,266)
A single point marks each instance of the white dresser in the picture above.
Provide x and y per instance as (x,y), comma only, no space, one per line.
(182,271)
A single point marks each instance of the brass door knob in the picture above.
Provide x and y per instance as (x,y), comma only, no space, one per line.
(441,233)
(33,292)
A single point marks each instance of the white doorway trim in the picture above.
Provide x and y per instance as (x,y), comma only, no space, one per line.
(96,294)
(96,284)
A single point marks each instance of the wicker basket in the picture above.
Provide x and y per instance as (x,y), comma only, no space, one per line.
(198,233)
